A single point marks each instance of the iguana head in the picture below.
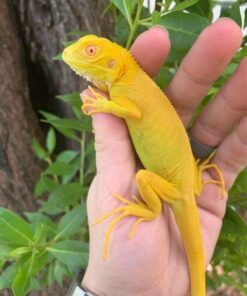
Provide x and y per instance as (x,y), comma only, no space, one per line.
(96,59)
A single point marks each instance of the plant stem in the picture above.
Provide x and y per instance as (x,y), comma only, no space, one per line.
(83,138)
(50,162)
(134,27)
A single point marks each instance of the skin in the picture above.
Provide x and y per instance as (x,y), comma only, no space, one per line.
(154,259)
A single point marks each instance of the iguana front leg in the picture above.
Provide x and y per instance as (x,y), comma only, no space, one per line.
(123,107)
(153,190)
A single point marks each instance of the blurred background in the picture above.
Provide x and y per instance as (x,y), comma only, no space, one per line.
(46,145)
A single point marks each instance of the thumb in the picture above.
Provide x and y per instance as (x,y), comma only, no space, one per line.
(112,142)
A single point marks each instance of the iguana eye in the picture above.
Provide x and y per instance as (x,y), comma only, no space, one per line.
(91,50)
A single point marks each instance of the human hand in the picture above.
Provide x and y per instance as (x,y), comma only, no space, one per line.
(153,261)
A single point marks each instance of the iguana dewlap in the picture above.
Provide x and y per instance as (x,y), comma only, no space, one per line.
(159,138)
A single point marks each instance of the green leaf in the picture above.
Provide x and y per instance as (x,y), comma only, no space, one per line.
(72,99)
(155,18)
(51,140)
(163,78)
(233,223)
(47,277)
(65,131)
(29,266)
(68,43)
(91,168)
(59,168)
(35,285)
(245,18)
(183,5)
(125,7)
(58,57)
(38,218)
(242,53)
(108,8)
(23,279)
(8,275)
(203,8)
(183,29)
(90,148)
(67,156)
(60,272)
(76,163)
(45,184)
(71,252)
(236,15)
(20,251)
(39,150)
(70,124)
(64,196)
(122,30)
(6,247)
(78,33)
(70,222)
(40,261)
(14,229)
(42,233)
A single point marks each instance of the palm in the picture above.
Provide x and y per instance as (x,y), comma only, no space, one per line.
(154,259)
(159,238)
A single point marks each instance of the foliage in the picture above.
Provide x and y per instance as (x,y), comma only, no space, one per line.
(50,244)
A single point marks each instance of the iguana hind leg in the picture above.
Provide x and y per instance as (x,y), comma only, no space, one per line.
(153,189)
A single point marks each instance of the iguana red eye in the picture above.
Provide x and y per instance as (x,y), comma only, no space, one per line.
(91,50)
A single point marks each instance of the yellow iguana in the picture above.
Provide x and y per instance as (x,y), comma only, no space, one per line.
(171,174)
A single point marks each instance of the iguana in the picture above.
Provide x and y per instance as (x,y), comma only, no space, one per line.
(170,173)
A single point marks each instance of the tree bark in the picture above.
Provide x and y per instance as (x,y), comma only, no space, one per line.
(19,168)
(31,33)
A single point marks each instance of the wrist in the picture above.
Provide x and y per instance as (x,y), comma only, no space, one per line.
(98,288)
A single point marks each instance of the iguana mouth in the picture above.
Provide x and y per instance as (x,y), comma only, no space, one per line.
(103,85)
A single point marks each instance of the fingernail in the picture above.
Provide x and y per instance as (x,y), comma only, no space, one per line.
(84,93)
(159,27)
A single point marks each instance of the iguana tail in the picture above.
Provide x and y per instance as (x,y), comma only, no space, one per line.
(186,215)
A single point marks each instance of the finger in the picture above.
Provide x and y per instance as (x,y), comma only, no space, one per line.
(203,64)
(211,126)
(231,155)
(111,140)
(151,49)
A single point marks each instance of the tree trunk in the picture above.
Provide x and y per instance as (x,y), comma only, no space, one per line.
(31,33)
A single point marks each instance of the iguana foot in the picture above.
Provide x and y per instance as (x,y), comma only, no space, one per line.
(153,190)
(132,209)
(205,165)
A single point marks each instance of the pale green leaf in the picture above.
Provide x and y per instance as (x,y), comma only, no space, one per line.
(59,168)
(67,156)
(45,184)
(23,278)
(64,196)
(233,223)
(70,222)
(8,275)
(68,132)
(39,150)
(14,229)
(236,15)
(72,99)
(72,253)
(51,140)
(184,29)
(183,5)
(70,124)
(125,7)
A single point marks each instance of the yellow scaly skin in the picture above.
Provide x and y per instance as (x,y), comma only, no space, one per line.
(171,174)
